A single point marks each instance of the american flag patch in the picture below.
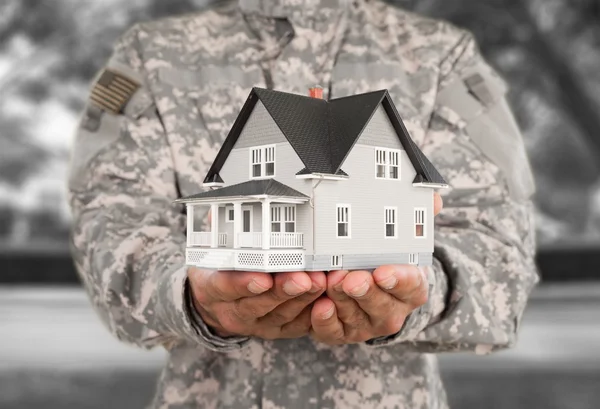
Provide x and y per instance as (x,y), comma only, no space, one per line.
(112,91)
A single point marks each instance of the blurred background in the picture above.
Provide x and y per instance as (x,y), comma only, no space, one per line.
(54,352)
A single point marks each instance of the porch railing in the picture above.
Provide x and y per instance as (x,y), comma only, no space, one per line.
(287,240)
(204,239)
(250,240)
(278,240)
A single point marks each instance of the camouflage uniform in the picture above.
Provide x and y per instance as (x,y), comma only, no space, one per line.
(195,73)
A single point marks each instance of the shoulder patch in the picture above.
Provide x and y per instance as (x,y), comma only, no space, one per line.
(478,87)
(112,91)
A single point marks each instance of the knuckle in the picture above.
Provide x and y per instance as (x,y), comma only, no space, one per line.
(357,320)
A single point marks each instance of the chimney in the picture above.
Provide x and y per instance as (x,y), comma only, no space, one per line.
(316,92)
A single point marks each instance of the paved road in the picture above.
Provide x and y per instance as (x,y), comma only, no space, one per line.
(52,346)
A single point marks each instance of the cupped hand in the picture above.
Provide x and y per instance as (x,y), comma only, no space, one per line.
(360,306)
(267,306)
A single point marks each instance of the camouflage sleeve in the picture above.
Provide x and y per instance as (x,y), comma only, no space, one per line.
(483,268)
(128,238)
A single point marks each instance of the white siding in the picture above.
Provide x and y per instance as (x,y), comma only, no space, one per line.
(379,132)
(260,129)
(368,196)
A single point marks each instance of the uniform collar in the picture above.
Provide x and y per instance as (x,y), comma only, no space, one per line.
(292,8)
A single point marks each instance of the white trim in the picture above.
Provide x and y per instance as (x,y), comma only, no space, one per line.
(213,184)
(387,154)
(337,220)
(324,176)
(190,223)
(417,222)
(394,215)
(244,199)
(431,185)
(413,258)
(262,161)
(227,210)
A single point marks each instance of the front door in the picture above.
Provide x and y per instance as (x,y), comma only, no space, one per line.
(247,219)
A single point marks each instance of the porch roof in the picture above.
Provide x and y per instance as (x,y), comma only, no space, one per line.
(252,188)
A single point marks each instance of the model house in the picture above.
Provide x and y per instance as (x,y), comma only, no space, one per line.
(302,183)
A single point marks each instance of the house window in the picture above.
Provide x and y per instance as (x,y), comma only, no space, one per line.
(343,220)
(270,161)
(387,163)
(413,258)
(419,222)
(283,219)
(390,222)
(262,162)
(229,214)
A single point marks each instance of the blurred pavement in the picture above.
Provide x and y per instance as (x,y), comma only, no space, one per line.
(54,353)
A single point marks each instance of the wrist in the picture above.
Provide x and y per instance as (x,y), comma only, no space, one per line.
(201,314)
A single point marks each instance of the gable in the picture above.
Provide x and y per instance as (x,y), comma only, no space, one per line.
(322,133)
(260,129)
(380,132)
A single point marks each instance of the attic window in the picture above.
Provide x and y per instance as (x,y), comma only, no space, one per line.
(262,162)
(387,163)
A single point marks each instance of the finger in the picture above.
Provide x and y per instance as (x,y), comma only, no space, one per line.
(438,203)
(346,308)
(349,312)
(286,286)
(404,282)
(211,286)
(325,324)
(376,303)
(289,310)
(299,326)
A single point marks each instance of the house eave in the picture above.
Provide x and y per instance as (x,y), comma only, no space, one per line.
(213,184)
(431,185)
(324,176)
(242,199)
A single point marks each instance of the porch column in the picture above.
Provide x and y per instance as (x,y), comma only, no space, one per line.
(237,224)
(190,223)
(266,224)
(214,225)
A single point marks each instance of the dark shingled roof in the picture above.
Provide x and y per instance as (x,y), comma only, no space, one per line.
(269,187)
(324,132)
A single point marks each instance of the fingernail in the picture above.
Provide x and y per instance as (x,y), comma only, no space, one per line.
(314,289)
(255,288)
(389,282)
(329,313)
(291,288)
(360,290)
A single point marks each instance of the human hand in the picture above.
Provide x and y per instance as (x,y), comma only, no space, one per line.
(267,306)
(362,306)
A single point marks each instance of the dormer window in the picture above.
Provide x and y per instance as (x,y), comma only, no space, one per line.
(262,162)
(387,163)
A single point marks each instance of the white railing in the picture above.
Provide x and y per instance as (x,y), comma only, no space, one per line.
(287,240)
(204,239)
(250,240)
(200,238)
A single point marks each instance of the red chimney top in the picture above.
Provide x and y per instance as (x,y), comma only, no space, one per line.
(316,92)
